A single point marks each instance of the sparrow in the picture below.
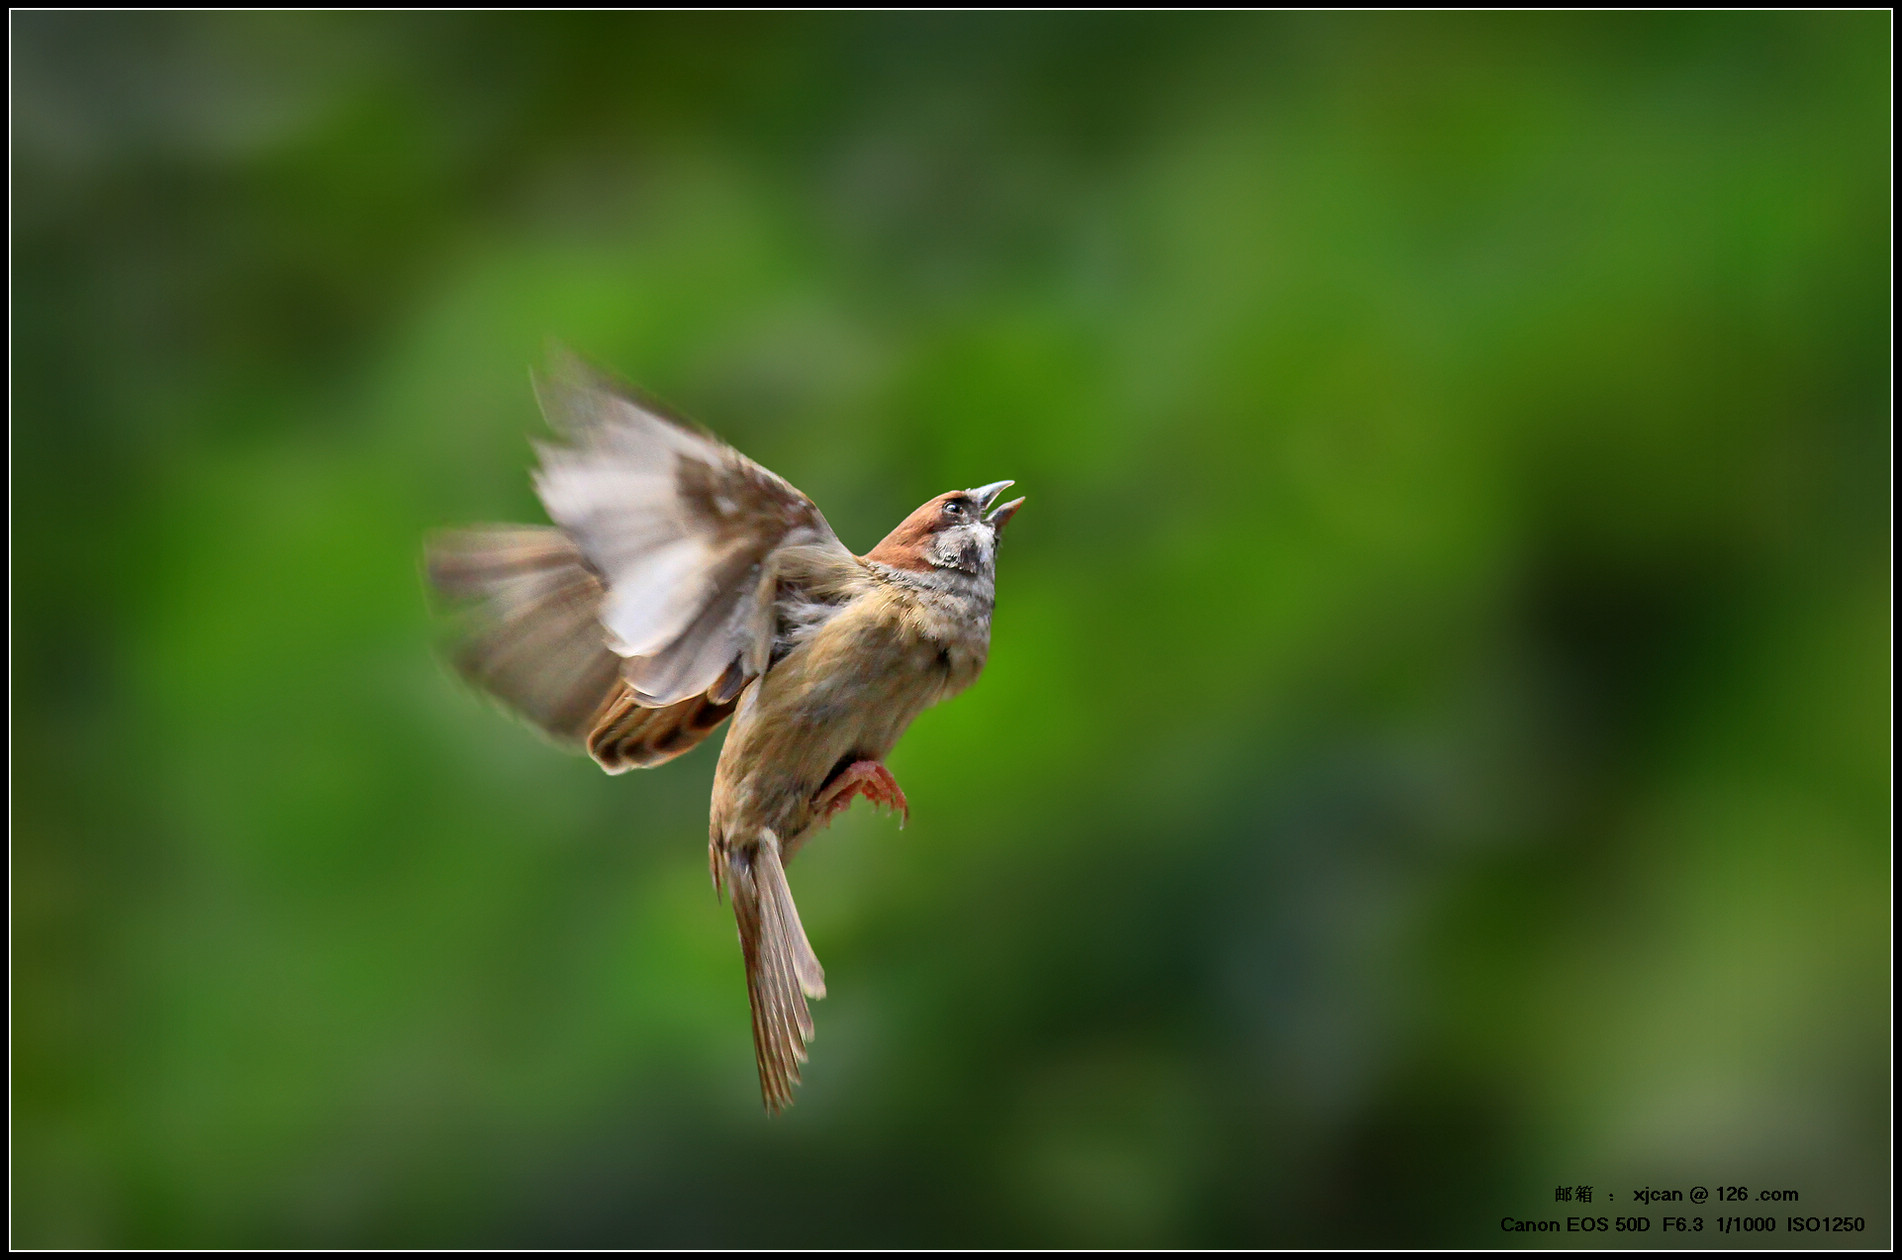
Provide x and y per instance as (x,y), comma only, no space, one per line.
(681,585)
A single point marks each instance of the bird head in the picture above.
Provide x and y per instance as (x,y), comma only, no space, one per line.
(952,531)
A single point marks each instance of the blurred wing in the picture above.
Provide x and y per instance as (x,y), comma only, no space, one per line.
(527,630)
(526,625)
(683,531)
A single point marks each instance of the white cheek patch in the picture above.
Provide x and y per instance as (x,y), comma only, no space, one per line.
(971,548)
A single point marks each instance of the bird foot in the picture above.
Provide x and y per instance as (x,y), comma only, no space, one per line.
(869,779)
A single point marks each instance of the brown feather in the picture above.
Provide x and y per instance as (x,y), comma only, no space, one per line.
(628,736)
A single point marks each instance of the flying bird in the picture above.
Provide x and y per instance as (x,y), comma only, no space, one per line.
(682,584)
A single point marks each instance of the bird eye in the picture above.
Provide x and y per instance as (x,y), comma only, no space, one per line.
(954,508)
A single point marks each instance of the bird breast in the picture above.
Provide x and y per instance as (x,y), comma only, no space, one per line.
(846,690)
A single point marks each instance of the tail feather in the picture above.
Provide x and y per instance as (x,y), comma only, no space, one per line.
(806,971)
(781,970)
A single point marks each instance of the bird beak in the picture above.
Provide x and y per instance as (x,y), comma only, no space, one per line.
(984,496)
(997,519)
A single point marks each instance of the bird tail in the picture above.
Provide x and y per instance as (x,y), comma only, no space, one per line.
(781,969)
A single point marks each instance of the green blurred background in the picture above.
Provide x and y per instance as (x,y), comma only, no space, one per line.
(1435,747)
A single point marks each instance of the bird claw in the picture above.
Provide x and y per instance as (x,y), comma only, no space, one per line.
(871,780)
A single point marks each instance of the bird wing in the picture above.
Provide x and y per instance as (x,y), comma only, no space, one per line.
(524,625)
(524,614)
(628,735)
(694,543)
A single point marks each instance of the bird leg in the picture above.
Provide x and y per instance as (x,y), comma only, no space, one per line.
(869,779)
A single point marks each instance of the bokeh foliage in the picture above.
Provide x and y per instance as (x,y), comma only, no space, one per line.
(1436,741)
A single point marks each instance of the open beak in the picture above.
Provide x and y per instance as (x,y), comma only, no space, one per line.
(984,496)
